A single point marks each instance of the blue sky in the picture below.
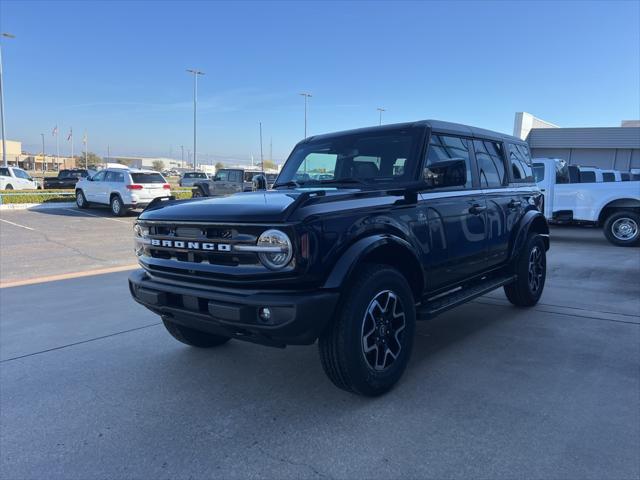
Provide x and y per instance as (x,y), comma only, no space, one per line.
(117,70)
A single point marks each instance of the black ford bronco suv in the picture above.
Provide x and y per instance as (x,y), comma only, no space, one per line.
(363,233)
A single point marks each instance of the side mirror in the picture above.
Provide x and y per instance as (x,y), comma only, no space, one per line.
(259,182)
(448,173)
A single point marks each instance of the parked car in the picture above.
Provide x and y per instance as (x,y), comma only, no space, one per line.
(121,189)
(615,206)
(354,260)
(227,181)
(14,178)
(189,178)
(65,178)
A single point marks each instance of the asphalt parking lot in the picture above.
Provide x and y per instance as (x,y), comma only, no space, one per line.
(93,387)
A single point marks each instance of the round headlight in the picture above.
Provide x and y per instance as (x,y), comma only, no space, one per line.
(281,251)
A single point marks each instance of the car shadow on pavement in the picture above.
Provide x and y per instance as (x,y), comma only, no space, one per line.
(89,212)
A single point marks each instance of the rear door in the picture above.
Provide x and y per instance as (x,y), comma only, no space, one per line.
(503,205)
(236,181)
(456,217)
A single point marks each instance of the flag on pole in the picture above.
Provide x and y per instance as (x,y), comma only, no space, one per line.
(55,131)
(70,134)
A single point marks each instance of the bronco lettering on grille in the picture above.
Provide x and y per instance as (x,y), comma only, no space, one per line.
(189,245)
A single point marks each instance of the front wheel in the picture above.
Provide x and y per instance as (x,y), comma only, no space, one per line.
(531,271)
(81,200)
(368,344)
(193,338)
(197,193)
(623,228)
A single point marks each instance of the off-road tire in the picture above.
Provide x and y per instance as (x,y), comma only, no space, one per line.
(194,338)
(118,209)
(626,218)
(81,200)
(525,291)
(342,350)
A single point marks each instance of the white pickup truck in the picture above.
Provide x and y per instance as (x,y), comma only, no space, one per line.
(13,178)
(613,205)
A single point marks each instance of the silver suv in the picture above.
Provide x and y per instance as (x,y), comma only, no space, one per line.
(121,189)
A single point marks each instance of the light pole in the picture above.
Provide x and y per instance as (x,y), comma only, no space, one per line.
(195,108)
(306,96)
(182,148)
(380,109)
(4,140)
(43,157)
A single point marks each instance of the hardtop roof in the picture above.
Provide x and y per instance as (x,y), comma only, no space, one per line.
(438,126)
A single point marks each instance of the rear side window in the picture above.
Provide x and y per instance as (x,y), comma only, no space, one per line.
(235,176)
(608,177)
(625,177)
(490,163)
(587,177)
(147,178)
(520,164)
(5,171)
(444,149)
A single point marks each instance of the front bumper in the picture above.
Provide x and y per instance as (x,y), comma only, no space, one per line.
(297,318)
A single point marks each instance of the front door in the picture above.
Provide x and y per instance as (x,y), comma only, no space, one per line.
(456,217)
(93,189)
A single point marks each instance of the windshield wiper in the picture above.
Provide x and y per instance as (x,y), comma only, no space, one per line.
(290,183)
(343,180)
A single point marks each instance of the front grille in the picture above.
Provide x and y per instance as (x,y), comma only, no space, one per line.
(195,237)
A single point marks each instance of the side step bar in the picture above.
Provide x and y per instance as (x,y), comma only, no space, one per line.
(441,304)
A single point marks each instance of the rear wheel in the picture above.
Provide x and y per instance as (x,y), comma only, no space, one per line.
(81,201)
(366,348)
(197,193)
(531,271)
(117,207)
(623,228)
(194,338)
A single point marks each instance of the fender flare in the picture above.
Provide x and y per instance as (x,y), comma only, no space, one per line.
(525,226)
(350,258)
(204,187)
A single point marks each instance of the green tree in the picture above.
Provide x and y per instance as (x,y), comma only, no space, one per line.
(219,165)
(124,161)
(268,164)
(91,161)
(157,165)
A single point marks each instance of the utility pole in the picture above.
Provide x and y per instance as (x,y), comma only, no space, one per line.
(86,160)
(306,96)
(4,138)
(182,148)
(195,109)
(271,149)
(108,153)
(57,149)
(261,157)
(380,109)
(44,159)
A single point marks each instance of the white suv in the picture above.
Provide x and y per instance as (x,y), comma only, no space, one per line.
(13,178)
(121,189)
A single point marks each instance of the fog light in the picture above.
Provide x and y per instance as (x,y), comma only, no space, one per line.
(264,313)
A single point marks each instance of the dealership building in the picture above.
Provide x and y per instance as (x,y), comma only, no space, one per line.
(603,147)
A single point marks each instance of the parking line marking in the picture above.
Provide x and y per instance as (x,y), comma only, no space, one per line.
(94,215)
(68,276)
(17,224)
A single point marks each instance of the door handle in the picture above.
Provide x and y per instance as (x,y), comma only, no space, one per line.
(515,203)
(476,209)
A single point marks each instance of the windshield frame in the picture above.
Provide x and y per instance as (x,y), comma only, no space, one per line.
(286,178)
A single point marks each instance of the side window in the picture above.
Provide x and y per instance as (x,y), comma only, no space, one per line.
(608,177)
(520,164)
(538,172)
(4,171)
(490,163)
(444,149)
(587,177)
(21,174)
(110,177)
(99,177)
(235,176)
(222,175)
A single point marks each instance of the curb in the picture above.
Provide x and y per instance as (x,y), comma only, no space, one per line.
(36,206)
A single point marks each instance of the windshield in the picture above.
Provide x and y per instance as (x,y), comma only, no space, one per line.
(362,158)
